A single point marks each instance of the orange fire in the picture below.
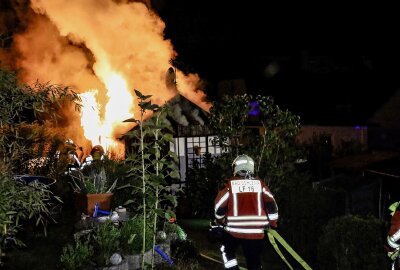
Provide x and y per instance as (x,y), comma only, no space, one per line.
(104,50)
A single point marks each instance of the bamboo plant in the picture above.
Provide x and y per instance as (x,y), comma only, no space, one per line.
(24,107)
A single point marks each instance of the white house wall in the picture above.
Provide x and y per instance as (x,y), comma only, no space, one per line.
(337,134)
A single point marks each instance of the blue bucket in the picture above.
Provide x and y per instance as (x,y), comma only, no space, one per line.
(28,179)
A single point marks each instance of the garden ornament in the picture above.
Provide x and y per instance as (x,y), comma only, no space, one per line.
(120,209)
(163,255)
(114,216)
(115,259)
(98,211)
(161,235)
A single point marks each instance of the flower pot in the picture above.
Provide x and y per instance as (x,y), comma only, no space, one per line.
(85,203)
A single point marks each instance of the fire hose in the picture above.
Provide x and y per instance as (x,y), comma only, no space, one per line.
(217,261)
(272,235)
(216,232)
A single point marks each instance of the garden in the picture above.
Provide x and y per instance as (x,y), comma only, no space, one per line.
(137,221)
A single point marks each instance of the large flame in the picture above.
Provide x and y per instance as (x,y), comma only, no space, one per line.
(104,49)
(99,130)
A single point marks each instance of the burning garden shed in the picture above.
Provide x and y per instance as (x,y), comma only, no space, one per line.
(192,135)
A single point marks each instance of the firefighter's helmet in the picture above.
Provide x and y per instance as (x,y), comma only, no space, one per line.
(70,142)
(393,207)
(243,163)
(97,152)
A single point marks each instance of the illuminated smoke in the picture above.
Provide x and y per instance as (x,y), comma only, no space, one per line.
(195,114)
(102,46)
(178,116)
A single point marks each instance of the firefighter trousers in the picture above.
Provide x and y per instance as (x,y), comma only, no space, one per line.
(396,264)
(252,249)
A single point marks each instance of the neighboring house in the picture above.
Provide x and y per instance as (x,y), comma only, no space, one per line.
(371,179)
(385,124)
(335,136)
(388,115)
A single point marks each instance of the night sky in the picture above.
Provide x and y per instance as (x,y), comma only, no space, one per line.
(328,64)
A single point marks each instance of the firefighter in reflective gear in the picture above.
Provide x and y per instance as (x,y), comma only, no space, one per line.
(74,161)
(393,238)
(96,154)
(245,207)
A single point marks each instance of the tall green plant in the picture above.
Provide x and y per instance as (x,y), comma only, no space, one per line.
(153,162)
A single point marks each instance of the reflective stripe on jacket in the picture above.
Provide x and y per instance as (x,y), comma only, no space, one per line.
(393,238)
(246,206)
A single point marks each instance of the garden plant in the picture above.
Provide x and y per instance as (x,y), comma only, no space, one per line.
(153,162)
(23,109)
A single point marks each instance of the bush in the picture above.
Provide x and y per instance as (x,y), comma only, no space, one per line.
(353,242)
(304,211)
(21,203)
(76,257)
(22,108)
(203,183)
(106,242)
(131,236)
(107,238)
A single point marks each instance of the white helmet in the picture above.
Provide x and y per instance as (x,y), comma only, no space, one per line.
(243,163)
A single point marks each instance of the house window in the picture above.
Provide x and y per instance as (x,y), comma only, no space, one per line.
(196,148)
(213,149)
(191,149)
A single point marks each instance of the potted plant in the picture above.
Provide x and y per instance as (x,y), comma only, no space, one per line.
(92,185)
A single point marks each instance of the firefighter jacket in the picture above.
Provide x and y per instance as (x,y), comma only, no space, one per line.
(246,207)
(393,238)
